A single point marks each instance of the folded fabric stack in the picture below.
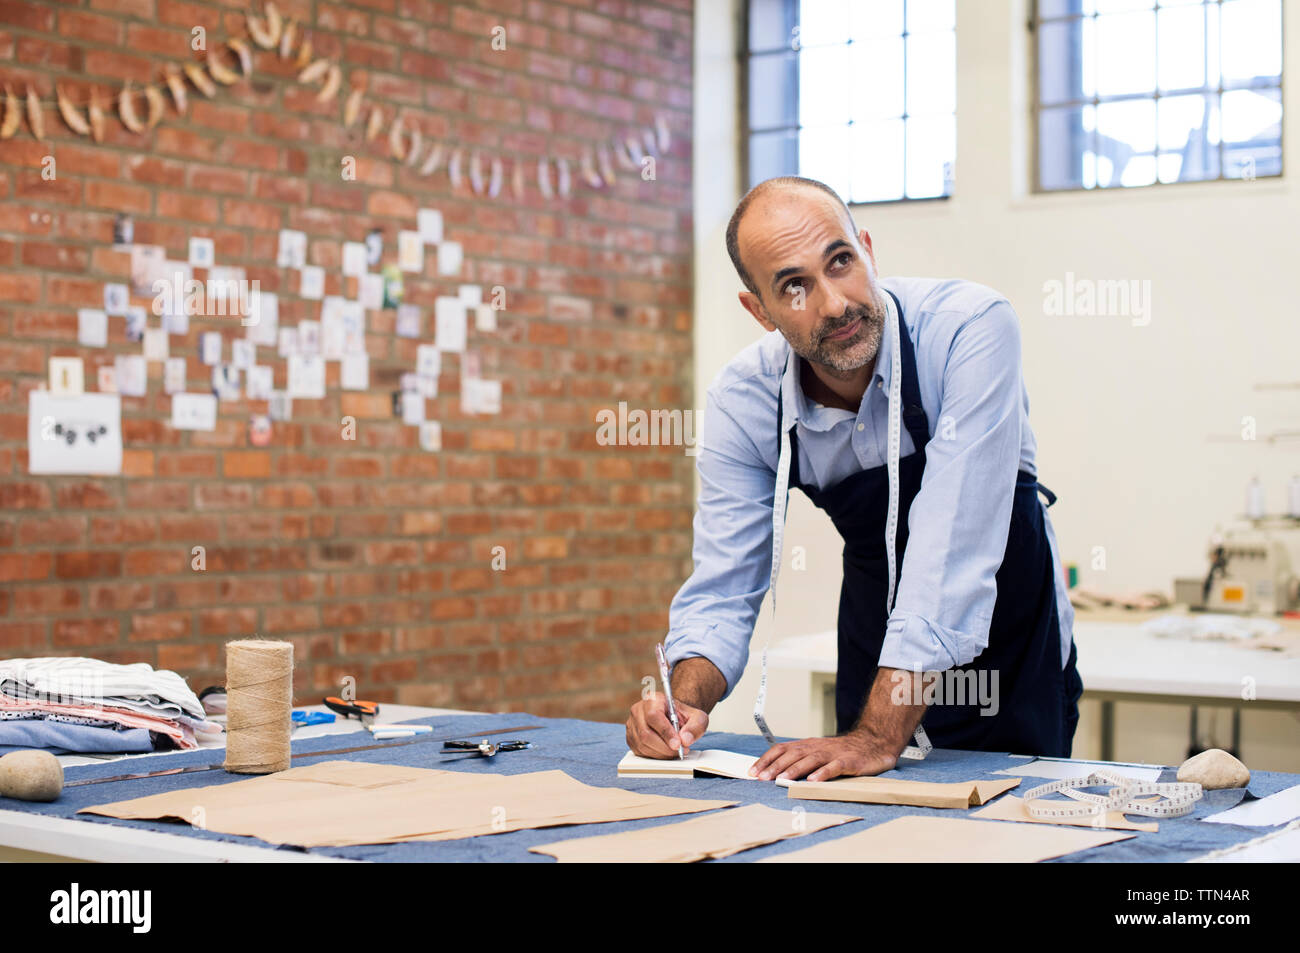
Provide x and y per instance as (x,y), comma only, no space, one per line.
(88,705)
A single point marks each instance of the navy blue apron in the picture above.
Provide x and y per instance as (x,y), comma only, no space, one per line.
(1037,697)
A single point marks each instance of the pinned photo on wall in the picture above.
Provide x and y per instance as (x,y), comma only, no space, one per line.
(428,360)
(420,384)
(431,436)
(280,406)
(410,251)
(374,247)
(408,321)
(174,372)
(394,289)
(354,259)
(370,291)
(137,319)
(292,251)
(176,322)
(117,298)
(132,375)
(69,434)
(479,396)
(354,327)
(485,318)
(123,231)
(311,282)
(92,327)
(412,405)
(194,412)
(259,430)
(331,335)
(354,372)
(107,378)
(449,323)
(307,376)
(450,258)
(148,264)
(156,344)
(243,353)
(429,223)
(263,317)
(288,343)
(472,295)
(67,376)
(210,347)
(202,253)
(309,338)
(259,382)
(225,382)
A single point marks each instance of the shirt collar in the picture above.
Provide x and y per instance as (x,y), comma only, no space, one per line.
(797,408)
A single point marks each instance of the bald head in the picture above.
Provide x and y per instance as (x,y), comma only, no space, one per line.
(770,192)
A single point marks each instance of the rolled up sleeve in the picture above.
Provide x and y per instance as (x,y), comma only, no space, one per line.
(960,517)
(713,613)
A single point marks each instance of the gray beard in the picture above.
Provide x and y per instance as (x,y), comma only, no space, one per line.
(849,356)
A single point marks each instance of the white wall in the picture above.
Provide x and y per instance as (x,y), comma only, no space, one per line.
(1124,414)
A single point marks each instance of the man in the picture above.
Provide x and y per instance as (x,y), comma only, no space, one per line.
(973,562)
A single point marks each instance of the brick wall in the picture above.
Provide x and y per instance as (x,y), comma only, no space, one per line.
(373,556)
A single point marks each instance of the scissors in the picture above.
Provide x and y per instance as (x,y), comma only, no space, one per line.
(364,710)
(484,748)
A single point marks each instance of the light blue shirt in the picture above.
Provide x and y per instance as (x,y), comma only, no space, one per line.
(966,338)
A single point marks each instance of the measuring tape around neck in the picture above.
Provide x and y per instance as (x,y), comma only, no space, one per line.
(782,490)
(1179,797)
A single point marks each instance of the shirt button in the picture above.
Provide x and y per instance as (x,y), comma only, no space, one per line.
(880,384)
(862,427)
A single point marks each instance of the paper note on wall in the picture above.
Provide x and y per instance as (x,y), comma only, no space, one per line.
(194,411)
(92,327)
(79,434)
(307,376)
(449,321)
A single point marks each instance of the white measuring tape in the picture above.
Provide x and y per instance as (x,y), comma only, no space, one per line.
(782,490)
(1180,797)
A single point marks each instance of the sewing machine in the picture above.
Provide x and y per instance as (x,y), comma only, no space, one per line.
(1252,570)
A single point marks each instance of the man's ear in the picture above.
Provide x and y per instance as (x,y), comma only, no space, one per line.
(865,237)
(754,306)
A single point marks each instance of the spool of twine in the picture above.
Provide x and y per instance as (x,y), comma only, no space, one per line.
(259,705)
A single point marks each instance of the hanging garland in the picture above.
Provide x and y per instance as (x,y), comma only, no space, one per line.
(273,32)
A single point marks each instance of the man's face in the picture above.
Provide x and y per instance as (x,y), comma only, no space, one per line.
(816,278)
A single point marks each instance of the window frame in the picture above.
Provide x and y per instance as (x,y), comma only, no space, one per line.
(745,56)
(1036,106)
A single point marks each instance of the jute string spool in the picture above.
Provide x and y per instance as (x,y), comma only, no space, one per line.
(259,705)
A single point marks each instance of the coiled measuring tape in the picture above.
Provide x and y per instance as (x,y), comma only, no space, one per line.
(782,491)
(1179,797)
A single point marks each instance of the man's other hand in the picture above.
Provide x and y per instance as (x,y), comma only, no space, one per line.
(820,759)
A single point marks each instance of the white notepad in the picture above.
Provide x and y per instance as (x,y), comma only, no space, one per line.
(723,764)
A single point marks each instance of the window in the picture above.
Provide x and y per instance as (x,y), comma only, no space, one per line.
(1139,92)
(860,94)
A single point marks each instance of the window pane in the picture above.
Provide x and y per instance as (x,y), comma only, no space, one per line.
(773,90)
(1182,47)
(827,87)
(1125,131)
(772,154)
(1065,141)
(771,23)
(1252,133)
(1060,60)
(929,16)
(1116,6)
(1184,139)
(1252,41)
(931,74)
(824,154)
(877,161)
(1059,8)
(877,69)
(875,18)
(931,144)
(822,22)
(1126,46)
